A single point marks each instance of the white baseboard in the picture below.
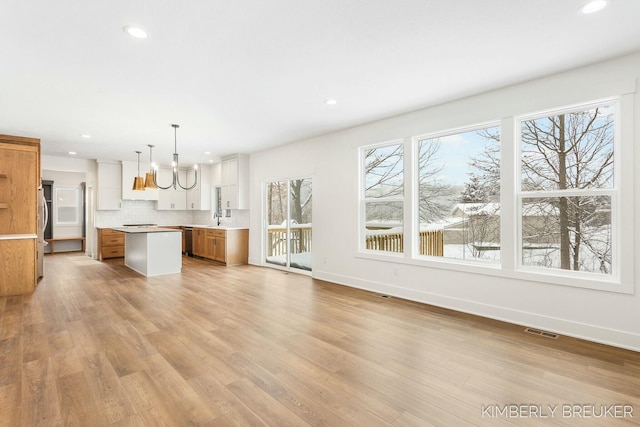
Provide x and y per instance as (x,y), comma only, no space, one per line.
(616,338)
(256,261)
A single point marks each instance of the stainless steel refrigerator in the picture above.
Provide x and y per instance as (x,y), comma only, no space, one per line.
(43,220)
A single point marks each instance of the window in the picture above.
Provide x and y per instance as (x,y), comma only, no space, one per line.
(383,197)
(67,206)
(544,197)
(459,195)
(567,191)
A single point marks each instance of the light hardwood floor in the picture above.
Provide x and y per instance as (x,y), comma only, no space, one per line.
(97,344)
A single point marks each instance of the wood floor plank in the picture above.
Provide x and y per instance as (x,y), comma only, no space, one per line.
(65,363)
(120,355)
(98,344)
(106,386)
(180,358)
(84,340)
(40,405)
(178,395)
(11,405)
(264,405)
(35,343)
(11,360)
(78,404)
(234,412)
(12,317)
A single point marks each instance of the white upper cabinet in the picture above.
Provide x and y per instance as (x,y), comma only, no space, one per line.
(109,180)
(171,199)
(129,172)
(235,182)
(199,199)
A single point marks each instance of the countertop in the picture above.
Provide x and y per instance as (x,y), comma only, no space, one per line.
(17,236)
(216,227)
(146,229)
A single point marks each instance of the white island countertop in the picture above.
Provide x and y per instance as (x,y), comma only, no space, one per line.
(145,229)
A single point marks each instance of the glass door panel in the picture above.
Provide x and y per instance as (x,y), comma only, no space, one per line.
(300,224)
(277,246)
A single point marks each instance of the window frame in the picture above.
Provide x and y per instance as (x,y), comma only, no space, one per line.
(617,281)
(363,200)
(415,142)
(69,200)
(510,260)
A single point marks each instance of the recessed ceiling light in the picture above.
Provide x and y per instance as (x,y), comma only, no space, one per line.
(210,160)
(331,102)
(73,153)
(594,6)
(84,135)
(207,152)
(136,32)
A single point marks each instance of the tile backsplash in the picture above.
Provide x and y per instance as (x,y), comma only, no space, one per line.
(144,212)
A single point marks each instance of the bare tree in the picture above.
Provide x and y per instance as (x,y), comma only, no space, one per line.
(384,178)
(487,164)
(570,151)
(300,190)
(433,194)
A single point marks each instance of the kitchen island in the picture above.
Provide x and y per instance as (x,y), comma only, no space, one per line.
(152,251)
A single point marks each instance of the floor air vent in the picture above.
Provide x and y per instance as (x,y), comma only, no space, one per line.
(541,333)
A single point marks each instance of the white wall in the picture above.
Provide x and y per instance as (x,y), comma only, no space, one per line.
(331,160)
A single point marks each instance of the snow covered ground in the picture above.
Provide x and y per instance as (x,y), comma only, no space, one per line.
(302,260)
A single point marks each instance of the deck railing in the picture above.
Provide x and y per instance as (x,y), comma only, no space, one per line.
(300,240)
(431,242)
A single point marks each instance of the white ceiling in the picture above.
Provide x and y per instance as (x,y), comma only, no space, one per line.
(244,75)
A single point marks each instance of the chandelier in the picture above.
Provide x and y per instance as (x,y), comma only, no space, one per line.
(176,178)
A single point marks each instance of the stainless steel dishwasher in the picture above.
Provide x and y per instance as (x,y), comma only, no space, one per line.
(188,241)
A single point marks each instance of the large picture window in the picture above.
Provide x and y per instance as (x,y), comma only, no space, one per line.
(567,189)
(546,197)
(459,194)
(383,197)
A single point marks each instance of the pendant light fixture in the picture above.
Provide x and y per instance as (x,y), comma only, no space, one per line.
(148,179)
(176,179)
(138,182)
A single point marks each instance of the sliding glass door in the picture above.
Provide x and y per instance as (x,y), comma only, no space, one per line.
(288,224)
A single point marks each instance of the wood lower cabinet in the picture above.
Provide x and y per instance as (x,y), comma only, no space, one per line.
(199,242)
(17,266)
(230,247)
(216,245)
(110,243)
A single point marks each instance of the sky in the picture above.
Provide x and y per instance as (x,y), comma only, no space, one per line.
(455,154)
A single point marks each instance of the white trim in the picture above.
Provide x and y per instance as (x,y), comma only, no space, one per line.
(363,200)
(541,275)
(624,339)
(600,281)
